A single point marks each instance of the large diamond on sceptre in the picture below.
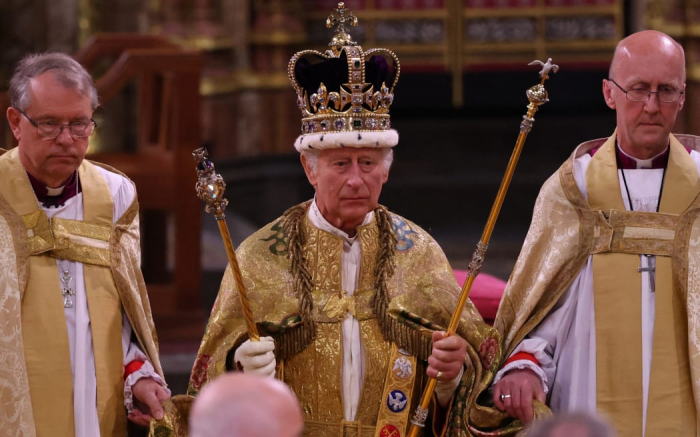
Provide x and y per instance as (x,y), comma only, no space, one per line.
(210,189)
(210,185)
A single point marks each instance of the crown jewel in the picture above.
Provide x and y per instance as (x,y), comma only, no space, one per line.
(341,17)
(345,89)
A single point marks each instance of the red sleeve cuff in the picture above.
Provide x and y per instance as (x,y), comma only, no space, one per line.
(522,356)
(132,367)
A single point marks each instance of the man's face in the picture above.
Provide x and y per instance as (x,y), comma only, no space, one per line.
(348,182)
(51,160)
(643,127)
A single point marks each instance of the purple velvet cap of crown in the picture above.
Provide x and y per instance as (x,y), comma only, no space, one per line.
(311,70)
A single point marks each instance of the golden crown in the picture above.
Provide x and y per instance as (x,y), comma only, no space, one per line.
(345,89)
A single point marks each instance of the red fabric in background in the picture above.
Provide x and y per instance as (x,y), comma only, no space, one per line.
(486,293)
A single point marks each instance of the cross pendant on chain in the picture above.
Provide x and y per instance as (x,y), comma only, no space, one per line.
(66,289)
(651,270)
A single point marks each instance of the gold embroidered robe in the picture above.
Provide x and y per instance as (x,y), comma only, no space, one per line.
(566,230)
(31,239)
(423,294)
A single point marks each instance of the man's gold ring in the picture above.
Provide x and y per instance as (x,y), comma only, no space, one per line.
(504,397)
(439,375)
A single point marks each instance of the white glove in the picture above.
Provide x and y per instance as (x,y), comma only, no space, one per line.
(257,357)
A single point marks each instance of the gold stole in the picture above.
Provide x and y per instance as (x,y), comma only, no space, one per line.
(44,332)
(616,285)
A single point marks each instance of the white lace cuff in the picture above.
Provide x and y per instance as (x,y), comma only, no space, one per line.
(445,389)
(146,371)
(520,365)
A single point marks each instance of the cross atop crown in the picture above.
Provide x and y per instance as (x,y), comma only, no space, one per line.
(340,17)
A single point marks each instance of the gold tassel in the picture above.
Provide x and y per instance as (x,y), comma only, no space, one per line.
(296,339)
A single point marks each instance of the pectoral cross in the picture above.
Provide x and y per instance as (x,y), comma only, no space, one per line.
(650,269)
(66,289)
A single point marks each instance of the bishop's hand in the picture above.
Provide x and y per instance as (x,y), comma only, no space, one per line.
(257,357)
(148,401)
(515,391)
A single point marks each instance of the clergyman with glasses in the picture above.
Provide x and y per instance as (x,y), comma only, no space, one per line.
(78,351)
(601,311)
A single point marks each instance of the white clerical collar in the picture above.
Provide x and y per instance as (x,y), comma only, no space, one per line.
(320,222)
(55,191)
(643,163)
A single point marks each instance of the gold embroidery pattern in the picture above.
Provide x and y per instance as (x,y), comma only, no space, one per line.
(526,300)
(73,240)
(125,255)
(31,230)
(94,231)
(343,429)
(619,237)
(686,276)
(369,242)
(174,423)
(684,251)
(15,408)
(39,232)
(423,291)
(81,241)
(315,375)
(338,306)
(323,252)
(377,353)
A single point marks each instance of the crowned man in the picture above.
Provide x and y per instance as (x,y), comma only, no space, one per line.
(78,343)
(351,299)
(601,312)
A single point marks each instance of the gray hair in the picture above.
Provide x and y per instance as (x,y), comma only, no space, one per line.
(67,70)
(312,158)
(572,424)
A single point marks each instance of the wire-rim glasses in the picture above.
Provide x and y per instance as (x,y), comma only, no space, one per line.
(52,129)
(666,94)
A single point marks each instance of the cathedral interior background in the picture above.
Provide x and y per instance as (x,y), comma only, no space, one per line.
(174,75)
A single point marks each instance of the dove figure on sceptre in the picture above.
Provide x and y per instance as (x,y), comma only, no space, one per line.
(546,67)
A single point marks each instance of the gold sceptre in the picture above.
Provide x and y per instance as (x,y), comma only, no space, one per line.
(210,189)
(537,95)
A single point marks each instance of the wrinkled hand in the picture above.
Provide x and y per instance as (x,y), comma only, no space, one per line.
(447,356)
(148,401)
(523,385)
(257,357)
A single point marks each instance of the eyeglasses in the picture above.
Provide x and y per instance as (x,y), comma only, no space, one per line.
(52,129)
(666,94)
